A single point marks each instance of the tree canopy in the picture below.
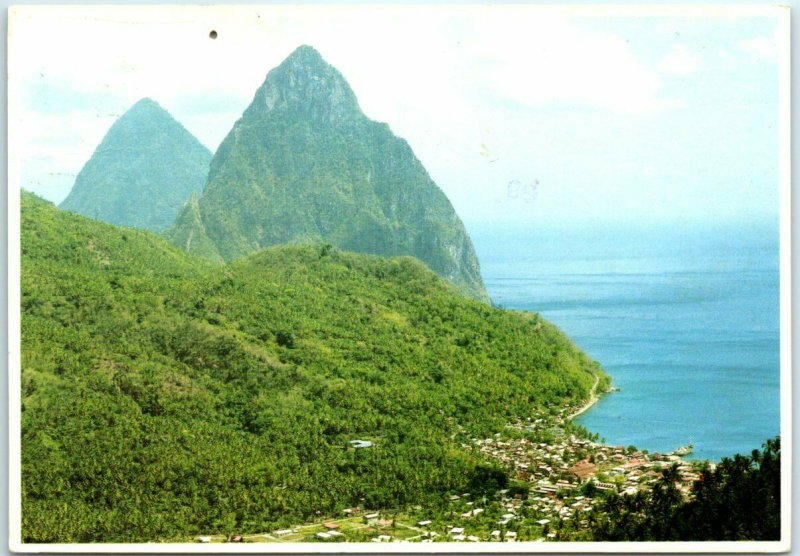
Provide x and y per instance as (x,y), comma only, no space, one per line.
(163,395)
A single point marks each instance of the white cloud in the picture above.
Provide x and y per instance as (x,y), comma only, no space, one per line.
(535,59)
(679,61)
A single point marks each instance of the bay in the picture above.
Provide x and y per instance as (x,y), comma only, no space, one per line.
(684,318)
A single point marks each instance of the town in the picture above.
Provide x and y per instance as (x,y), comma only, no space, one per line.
(558,478)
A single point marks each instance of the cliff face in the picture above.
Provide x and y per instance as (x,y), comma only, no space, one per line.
(304,164)
(142,172)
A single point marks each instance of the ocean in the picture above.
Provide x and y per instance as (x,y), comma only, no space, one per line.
(684,319)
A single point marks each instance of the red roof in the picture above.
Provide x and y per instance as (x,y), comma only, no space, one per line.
(582,469)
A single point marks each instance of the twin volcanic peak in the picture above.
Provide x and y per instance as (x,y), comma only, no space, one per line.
(143,171)
(304,164)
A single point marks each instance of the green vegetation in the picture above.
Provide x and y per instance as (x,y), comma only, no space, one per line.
(164,396)
(739,499)
(305,165)
(189,233)
(142,172)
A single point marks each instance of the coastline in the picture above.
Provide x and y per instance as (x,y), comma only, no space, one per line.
(593,399)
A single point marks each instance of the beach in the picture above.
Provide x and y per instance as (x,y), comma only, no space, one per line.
(593,399)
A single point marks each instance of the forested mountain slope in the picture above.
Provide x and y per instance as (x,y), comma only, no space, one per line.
(163,395)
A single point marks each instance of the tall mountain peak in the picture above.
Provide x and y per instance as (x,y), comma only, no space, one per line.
(305,54)
(305,83)
(304,164)
(142,171)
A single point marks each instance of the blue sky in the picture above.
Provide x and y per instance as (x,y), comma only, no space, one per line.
(521,114)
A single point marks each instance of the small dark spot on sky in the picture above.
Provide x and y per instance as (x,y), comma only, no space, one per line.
(212,34)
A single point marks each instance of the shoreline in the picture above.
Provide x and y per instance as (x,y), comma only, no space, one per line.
(593,399)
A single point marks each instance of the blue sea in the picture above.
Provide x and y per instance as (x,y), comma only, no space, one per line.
(684,319)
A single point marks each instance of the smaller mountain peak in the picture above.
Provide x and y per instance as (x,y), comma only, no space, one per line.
(146,103)
(146,109)
(142,171)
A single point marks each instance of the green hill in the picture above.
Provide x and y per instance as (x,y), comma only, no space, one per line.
(304,164)
(165,396)
(142,172)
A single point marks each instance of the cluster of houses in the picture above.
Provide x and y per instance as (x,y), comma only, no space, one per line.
(568,462)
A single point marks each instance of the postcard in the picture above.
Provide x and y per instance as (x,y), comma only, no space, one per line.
(399,278)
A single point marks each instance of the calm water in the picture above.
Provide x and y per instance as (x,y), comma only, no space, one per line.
(686,323)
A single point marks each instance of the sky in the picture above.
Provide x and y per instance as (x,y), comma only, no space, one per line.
(523,115)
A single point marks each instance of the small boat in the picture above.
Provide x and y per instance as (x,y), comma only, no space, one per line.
(684,450)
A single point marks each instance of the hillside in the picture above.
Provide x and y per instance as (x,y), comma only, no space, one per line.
(143,171)
(166,396)
(304,164)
